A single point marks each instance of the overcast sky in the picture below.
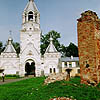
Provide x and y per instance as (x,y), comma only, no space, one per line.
(58,15)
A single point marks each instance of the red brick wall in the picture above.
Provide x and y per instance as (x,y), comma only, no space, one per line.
(89,47)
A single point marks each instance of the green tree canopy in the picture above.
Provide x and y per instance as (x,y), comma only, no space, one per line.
(17,47)
(66,51)
(45,41)
(71,50)
(1,47)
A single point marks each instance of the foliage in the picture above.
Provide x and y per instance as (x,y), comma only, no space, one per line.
(17,47)
(72,50)
(98,86)
(45,41)
(63,50)
(33,89)
(12,76)
(1,47)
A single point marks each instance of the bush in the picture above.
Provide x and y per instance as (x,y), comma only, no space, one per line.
(98,86)
(15,76)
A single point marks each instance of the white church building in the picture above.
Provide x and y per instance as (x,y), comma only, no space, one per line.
(30,35)
(30,61)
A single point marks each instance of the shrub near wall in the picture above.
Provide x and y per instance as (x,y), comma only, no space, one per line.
(12,76)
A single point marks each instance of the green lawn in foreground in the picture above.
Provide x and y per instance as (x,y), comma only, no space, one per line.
(33,89)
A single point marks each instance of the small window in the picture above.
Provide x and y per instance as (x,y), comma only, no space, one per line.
(54,70)
(70,64)
(30,16)
(65,63)
(78,64)
(50,70)
(78,70)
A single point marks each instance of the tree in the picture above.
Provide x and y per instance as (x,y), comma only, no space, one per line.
(71,50)
(66,51)
(1,47)
(63,50)
(17,47)
(45,40)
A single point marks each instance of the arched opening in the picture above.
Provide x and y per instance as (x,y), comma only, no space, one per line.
(50,70)
(54,70)
(30,68)
(30,16)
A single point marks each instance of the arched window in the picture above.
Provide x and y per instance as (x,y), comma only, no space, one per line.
(54,70)
(50,70)
(30,16)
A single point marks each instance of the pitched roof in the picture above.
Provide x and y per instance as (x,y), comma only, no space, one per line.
(69,59)
(51,48)
(31,6)
(9,48)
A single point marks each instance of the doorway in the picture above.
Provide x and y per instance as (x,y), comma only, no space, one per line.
(30,68)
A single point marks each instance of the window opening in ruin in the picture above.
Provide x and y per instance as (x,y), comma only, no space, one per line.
(87,65)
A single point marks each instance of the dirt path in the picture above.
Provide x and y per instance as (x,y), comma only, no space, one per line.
(13,80)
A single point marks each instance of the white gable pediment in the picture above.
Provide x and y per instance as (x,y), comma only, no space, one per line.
(30,50)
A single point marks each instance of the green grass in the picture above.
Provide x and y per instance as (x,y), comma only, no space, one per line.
(34,89)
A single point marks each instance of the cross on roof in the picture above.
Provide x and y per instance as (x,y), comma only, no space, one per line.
(10,33)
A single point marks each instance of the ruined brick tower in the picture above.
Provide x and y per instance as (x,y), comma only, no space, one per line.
(88,28)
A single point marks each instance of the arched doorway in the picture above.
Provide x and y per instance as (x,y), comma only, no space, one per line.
(30,68)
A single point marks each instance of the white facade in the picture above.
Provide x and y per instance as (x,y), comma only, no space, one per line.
(30,35)
(9,62)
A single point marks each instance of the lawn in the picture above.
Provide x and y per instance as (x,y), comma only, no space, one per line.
(34,89)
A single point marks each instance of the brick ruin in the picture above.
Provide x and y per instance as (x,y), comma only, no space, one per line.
(88,28)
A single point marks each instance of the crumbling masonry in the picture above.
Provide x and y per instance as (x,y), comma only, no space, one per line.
(88,28)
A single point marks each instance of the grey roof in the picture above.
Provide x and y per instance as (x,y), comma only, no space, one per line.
(66,59)
(9,48)
(51,48)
